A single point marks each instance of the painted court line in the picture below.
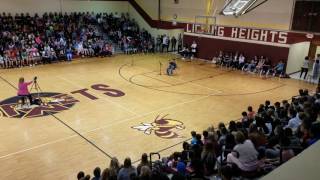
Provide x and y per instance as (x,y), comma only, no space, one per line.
(39,146)
(103,127)
(186,82)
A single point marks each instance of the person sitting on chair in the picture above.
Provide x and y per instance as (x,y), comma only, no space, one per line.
(184,52)
(172,66)
(278,69)
(23,91)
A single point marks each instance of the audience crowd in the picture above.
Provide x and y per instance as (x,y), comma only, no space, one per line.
(27,40)
(250,147)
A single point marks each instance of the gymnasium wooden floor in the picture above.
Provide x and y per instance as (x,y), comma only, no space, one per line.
(87,134)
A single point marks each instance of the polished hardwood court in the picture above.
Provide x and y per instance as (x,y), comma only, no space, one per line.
(121,107)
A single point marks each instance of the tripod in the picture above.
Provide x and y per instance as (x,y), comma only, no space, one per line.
(35,86)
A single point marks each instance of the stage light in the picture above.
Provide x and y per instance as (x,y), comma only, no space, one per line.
(237,7)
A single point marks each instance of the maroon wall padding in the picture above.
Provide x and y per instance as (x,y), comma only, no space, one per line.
(209,48)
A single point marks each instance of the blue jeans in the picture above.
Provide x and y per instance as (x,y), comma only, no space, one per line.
(69,56)
(170,71)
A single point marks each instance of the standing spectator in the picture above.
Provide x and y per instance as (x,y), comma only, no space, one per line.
(179,43)
(316,70)
(173,43)
(193,49)
(168,43)
(159,40)
(164,42)
(305,67)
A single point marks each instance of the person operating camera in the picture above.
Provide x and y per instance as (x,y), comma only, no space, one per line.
(23,91)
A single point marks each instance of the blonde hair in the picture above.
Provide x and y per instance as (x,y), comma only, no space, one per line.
(145,171)
(21,80)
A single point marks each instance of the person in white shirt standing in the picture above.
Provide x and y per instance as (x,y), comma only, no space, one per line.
(165,42)
(193,49)
(305,67)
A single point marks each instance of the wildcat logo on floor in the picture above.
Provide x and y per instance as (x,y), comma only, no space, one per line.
(162,127)
(52,103)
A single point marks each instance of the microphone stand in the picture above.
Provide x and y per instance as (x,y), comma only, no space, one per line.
(160,67)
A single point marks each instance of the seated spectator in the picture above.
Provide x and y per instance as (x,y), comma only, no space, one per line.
(242,61)
(245,119)
(186,154)
(69,54)
(295,121)
(266,66)
(244,154)
(106,175)
(127,170)
(314,133)
(205,135)
(227,60)
(287,151)
(144,162)
(257,137)
(80,175)
(185,53)
(2,65)
(235,61)
(171,67)
(87,177)
(278,69)
(193,139)
(251,113)
(259,66)
(114,168)
(145,173)
(250,67)
(96,173)
(208,158)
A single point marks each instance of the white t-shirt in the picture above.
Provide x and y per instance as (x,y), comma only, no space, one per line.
(194,47)
(165,40)
(247,152)
(241,59)
(305,64)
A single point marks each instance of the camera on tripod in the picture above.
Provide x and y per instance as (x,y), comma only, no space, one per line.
(35,78)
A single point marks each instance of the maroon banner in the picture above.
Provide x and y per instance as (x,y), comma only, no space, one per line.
(253,34)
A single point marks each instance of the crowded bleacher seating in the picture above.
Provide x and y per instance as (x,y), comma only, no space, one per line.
(27,40)
(250,147)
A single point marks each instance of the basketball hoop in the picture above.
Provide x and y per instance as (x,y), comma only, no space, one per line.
(309,36)
(174,23)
